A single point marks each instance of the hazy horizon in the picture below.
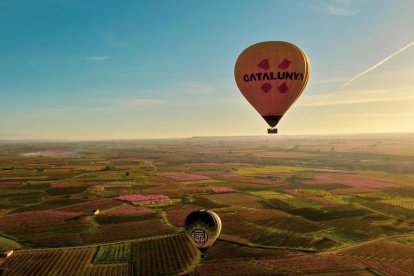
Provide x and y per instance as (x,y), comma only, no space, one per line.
(258,136)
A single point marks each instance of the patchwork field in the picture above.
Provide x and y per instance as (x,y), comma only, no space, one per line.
(289,205)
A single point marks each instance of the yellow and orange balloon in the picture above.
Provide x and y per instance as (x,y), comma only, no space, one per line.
(272,75)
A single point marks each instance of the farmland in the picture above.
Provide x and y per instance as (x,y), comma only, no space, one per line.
(289,205)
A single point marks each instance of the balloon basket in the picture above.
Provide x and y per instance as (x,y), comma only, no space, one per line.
(272,131)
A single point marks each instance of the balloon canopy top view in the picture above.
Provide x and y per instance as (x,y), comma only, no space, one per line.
(203,227)
(272,75)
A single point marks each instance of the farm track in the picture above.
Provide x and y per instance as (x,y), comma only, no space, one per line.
(102,244)
(252,245)
(338,249)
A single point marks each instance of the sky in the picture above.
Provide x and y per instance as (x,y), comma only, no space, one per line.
(98,69)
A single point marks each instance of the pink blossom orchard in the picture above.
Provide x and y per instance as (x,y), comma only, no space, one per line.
(178,176)
(223,190)
(136,197)
(127,209)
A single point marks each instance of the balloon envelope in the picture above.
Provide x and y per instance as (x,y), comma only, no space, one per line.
(271,75)
(202,228)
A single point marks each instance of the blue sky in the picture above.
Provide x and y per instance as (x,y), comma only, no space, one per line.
(140,69)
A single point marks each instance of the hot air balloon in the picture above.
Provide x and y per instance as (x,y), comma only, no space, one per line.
(271,75)
(203,228)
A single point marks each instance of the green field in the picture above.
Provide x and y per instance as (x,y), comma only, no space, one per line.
(287,199)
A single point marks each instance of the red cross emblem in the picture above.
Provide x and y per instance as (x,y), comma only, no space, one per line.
(266,87)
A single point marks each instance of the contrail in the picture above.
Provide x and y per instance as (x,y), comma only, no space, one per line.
(376,65)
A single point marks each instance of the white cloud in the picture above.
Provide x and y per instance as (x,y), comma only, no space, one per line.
(339,11)
(189,88)
(133,102)
(402,114)
(343,97)
(377,65)
(98,58)
(108,106)
(196,88)
(336,8)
